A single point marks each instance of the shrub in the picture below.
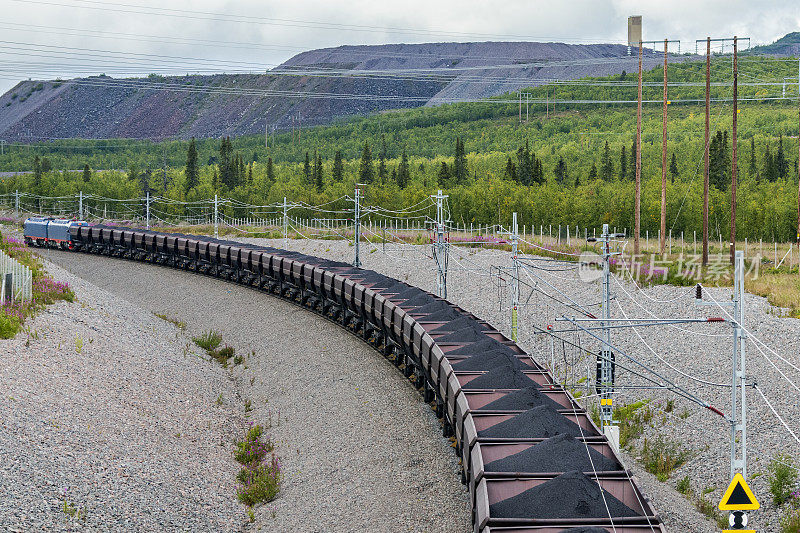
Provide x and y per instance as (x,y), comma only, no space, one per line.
(9,326)
(782,478)
(662,456)
(252,450)
(208,340)
(683,485)
(260,484)
(791,522)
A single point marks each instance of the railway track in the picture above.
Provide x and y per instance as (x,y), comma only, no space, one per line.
(533,460)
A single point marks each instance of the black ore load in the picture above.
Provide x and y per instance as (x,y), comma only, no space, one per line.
(570,495)
(556,454)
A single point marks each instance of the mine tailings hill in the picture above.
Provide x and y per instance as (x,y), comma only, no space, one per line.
(301,91)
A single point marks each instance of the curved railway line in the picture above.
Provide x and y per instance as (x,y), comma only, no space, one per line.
(533,460)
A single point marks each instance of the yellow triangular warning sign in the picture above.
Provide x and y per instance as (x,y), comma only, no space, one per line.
(738,497)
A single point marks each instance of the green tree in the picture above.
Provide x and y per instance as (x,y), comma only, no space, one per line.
(607,165)
(561,170)
(632,166)
(753,170)
(382,172)
(623,164)
(191,171)
(769,165)
(307,169)
(511,171)
(443,176)
(781,164)
(318,177)
(460,162)
(673,168)
(719,160)
(37,173)
(592,172)
(270,170)
(366,170)
(338,166)
(226,163)
(47,166)
(403,171)
(87,173)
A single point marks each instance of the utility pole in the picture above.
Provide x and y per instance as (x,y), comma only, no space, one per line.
(216,217)
(662,242)
(664,159)
(798,155)
(519,93)
(147,210)
(16,202)
(527,104)
(637,202)
(514,280)
(734,170)
(164,166)
(440,252)
(357,227)
(705,156)
(2,145)
(80,205)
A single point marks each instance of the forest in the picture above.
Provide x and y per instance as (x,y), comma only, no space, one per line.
(569,163)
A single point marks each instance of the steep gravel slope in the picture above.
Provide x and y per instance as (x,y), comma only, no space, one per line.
(360,449)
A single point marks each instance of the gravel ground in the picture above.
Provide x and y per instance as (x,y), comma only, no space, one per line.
(703,351)
(360,450)
(105,410)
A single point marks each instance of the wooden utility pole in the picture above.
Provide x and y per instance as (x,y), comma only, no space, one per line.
(520,106)
(798,154)
(664,160)
(734,171)
(638,200)
(705,157)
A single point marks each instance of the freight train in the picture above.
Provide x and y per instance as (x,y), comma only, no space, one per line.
(49,231)
(532,459)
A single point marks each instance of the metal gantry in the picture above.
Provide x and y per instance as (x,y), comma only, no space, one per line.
(514,279)
(440,251)
(357,227)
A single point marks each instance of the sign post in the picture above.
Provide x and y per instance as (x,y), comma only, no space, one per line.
(737,499)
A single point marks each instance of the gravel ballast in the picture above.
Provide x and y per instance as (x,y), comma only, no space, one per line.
(360,449)
(106,411)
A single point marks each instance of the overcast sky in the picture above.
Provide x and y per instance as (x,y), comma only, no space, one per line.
(41,38)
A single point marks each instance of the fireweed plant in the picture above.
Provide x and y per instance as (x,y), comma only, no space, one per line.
(46,291)
(261,475)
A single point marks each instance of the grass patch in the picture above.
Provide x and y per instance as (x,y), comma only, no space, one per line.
(174,321)
(709,509)
(632,419)
(662,456)
(46,291)
(683,486)
(780,288)
(790,523)
(261,476)
(209,340)
(782,478)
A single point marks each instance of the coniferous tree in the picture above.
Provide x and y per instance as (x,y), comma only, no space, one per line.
(607,165)
(460,162)
(561,170)
(307,169)
(87,173)
(673,168)
(338,167)
(719,160)
(511,171)
(318,177)
(37,173)
(623,164)
(443,176)
(382,172)
(366,171)
(769,165)
(226,162)
(191,166)
(781,164)
(753,170)
(403,171)
(270,170)
(592,172)
(632,165)
(250,173)
(526,165)
(46,165)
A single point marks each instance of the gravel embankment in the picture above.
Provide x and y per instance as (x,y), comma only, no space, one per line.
(106,415)
(359,448)
(701,351)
